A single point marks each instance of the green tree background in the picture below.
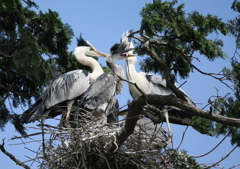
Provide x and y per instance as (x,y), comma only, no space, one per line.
(33,42)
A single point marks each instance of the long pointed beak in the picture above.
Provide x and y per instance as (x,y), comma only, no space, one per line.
(127,49)
(127,55)
(123,112)
(101,54)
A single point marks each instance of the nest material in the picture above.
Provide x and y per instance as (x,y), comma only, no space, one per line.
(84,147)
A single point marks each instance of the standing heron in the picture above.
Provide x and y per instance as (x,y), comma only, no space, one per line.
(153,84)
(99,97)
(59,96)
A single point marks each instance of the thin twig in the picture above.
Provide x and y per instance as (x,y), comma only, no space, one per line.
(43,141)
(19,137)
(212,149)
(223,158)
(234,166)
(183,136)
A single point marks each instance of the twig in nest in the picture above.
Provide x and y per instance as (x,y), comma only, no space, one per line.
(19,137)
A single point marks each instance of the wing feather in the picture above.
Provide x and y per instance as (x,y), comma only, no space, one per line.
(66,87)
(159,81)
(99,92)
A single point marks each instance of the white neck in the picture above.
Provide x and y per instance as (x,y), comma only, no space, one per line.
(130,69)
(134,77)
(88,61)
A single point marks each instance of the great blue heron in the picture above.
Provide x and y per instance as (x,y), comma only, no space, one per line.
(99,97)
(60,95)
(153,84)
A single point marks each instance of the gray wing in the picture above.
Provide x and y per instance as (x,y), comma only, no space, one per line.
(66,87)
(159,81)
(99,92)
(112,110)
(119,72)
(157,85)
(153,134)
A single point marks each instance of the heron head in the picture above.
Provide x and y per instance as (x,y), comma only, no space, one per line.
(120,51)
(87,48)
(128,46)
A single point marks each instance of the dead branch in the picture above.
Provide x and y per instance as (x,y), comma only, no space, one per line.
(12,157)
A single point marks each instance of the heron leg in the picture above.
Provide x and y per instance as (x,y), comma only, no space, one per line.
(69,107)
(170,135)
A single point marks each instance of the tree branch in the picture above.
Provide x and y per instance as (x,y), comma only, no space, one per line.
(173,101)
(12,157)
(212,149)
(135,109)
(222,158)
(128,126)
(18,93)
(167,75)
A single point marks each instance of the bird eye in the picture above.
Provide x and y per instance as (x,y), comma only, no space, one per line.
(92,48)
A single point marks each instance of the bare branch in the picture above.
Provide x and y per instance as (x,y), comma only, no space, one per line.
(212,149)
(135,109)
(234,166)
(178,68)
(222,158)
(12,157)
(43,141)
(182,138)
(127,128)
(34,134)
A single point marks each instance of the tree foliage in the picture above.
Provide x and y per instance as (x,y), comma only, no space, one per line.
(182,34)
(31,42)
(172,37)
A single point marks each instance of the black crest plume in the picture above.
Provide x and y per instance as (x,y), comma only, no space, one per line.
(81,41)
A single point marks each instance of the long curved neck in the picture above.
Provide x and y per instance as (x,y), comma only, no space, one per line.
(91,62)
(134,77)
(130,70)
(118,72)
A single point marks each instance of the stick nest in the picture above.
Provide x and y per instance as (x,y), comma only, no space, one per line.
(84,147)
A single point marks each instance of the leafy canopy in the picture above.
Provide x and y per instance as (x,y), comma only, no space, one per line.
(183,34)
(31,43)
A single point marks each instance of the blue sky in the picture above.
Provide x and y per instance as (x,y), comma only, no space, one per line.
(102,23)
